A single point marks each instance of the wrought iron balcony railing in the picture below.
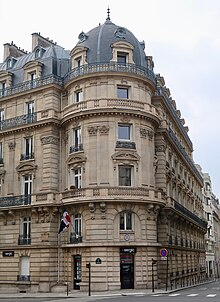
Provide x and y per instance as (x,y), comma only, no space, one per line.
(25,86)
(23,278)
(180,208)
(10,201)
(24,240)
(18,121)
(75,238)
(110,67)
(27,156)
(186,156)
(76,148)
(125,144)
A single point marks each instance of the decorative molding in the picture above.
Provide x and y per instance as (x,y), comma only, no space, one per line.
(93,130)
(11,146)
(126,157)
(160,148)
(103,209)
(104,129)
(26,168)
(50,139)
(145,133)
(92,209)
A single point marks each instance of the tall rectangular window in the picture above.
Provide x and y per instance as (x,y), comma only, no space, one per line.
(32,77)
(124,175)
(28,148)
(25,231)
(124,132)
(24,268)
(2,117)
(77,178)
(29,107)
(77,141)
(3,88)
(122,93)
(126,221)
(121,58)
(1,153)
(27,185)
(78,96)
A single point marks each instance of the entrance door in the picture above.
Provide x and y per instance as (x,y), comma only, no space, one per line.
(127,271)
(77,271)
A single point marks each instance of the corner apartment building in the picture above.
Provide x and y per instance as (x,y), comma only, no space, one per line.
(96,132)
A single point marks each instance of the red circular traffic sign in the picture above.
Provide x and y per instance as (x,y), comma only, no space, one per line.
(163,252)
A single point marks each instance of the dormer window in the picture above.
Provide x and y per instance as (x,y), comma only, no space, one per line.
(121,58)
(39,52)
(78,57)
(9,63)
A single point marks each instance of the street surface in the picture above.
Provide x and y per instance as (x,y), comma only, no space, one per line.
(204,293)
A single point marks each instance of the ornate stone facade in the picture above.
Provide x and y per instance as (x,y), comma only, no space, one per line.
(105,142)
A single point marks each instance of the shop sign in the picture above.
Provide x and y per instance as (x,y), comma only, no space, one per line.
(8,254)
(130,250)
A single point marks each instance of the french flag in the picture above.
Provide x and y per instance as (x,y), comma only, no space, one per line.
(65,221)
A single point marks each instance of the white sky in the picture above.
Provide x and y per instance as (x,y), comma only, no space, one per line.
(183,36)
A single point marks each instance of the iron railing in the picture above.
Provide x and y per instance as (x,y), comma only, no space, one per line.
(24,240)
(18,121)
(10,201)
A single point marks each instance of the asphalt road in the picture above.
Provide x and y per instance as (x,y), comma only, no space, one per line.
(204,293)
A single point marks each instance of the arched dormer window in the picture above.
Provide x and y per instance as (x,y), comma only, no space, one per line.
(39,52)
(122,53)
(9,63)
(78,56)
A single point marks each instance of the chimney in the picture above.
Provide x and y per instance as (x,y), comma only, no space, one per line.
(38,40)
(13,51)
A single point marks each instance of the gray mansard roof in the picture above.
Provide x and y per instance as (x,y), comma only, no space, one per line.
(99,40)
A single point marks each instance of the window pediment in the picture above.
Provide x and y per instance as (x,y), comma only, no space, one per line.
(76,160)
(125,157)
(26,168)
(6,76)
(122,46)
(32,65)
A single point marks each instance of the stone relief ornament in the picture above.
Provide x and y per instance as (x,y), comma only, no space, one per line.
(120,33)
(82,37)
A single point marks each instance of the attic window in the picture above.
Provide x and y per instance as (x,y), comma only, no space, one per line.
(9,63)
(37,53)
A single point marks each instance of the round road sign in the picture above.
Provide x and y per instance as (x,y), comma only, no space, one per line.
(163,252)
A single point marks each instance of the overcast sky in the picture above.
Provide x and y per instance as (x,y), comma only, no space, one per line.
(182,36)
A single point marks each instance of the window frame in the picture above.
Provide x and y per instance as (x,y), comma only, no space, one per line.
(129,127)
(27,184)
(126,222)
(123,179)
(123,92)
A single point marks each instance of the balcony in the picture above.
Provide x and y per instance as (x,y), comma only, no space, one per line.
(27,156)
(28,85)
(75,238)
(126,145)
(23,278)
(24,240)
(112,67)
(18,121)
(10,201)
(180,208)
(77,148)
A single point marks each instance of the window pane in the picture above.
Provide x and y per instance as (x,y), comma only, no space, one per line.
(124,176)
(122,221)
(128,221)
(122,93)
(124,132)
(121,58)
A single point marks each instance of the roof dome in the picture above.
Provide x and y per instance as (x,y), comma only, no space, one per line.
(98,42)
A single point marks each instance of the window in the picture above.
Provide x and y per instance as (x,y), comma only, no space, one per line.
(77,224)
(25,231)
(124,175)
(29,107)
(124,132)
(126,221)
(9,63)
(77,178)
(2,117)
(77,62)
(37,53)
(32,79)
(122,92)
(28,148)
(121,58)
(78,96)
(3,88)
(27,185)
(24,269)
(1,153)
(77,140)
